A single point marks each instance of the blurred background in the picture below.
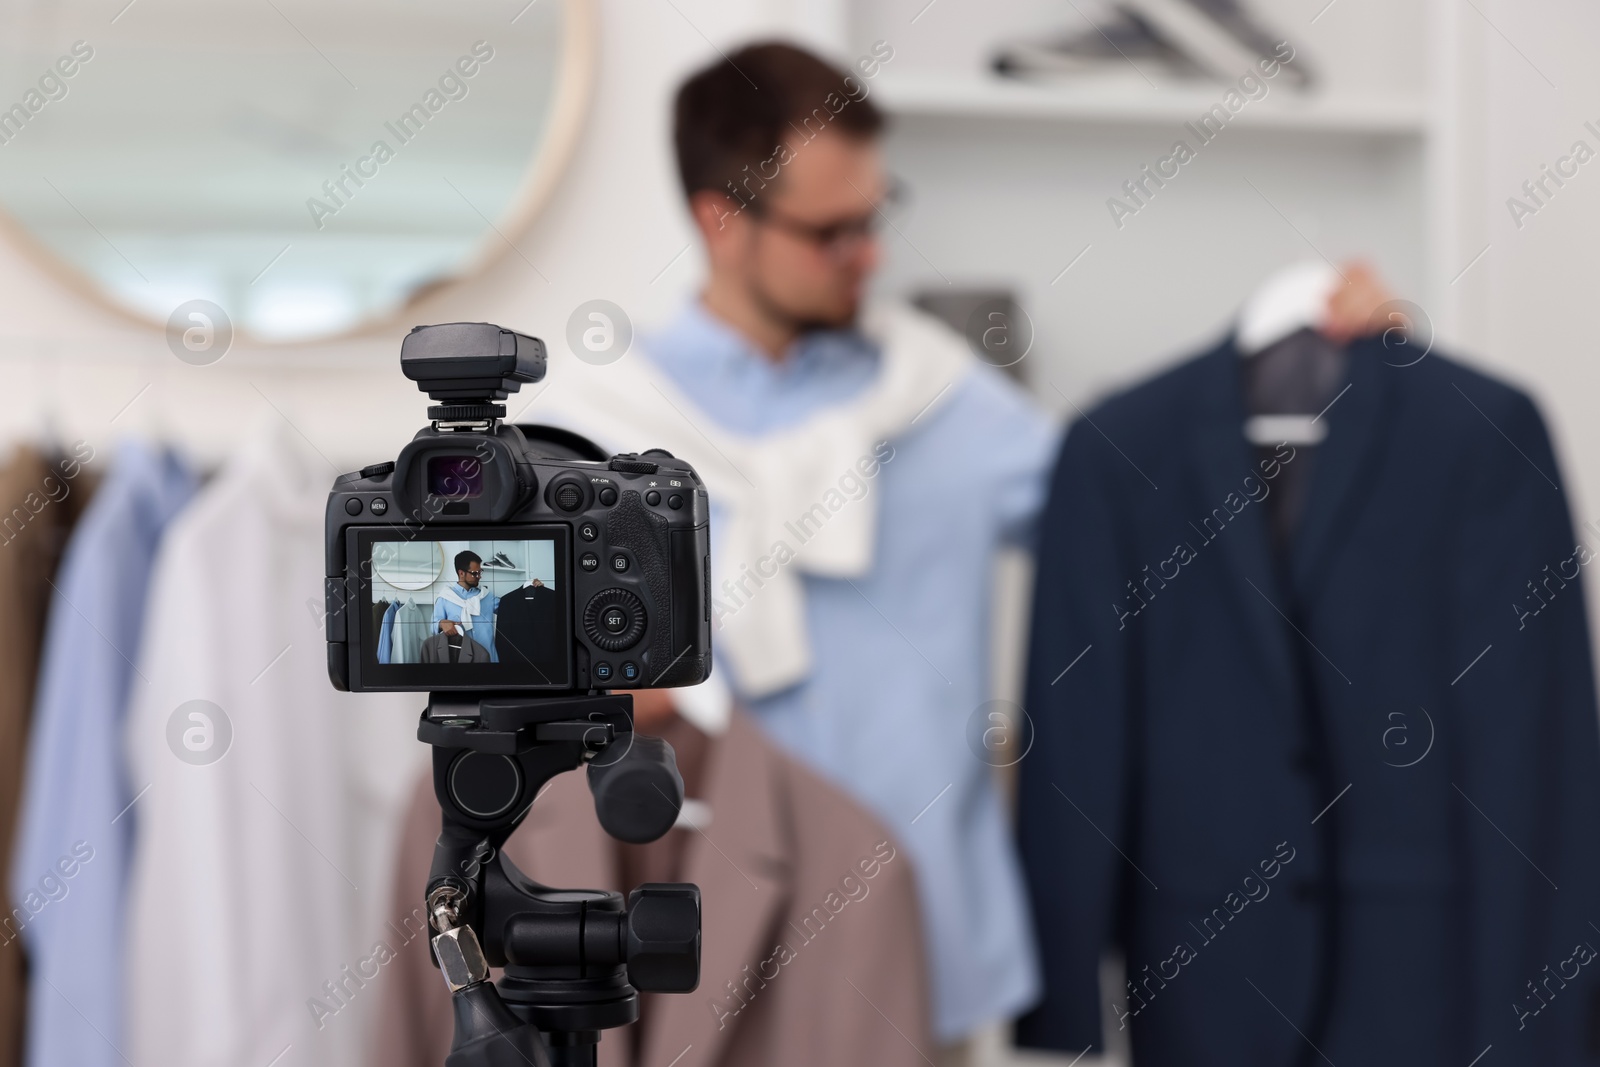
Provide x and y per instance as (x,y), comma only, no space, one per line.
(187,258)
(1422,120)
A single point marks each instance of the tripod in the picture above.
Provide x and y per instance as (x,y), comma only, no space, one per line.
(574,960)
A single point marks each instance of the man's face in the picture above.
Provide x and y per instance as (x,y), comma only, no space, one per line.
(802,244)
(470,577)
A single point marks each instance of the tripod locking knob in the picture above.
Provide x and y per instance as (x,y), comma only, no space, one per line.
(663,937)
(637,792)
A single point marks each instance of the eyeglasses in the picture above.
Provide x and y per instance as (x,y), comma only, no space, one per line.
(473,573)
(837,239)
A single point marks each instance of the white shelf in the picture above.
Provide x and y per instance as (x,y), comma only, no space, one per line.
(1130,101)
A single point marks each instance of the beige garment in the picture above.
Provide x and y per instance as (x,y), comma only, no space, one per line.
(829,962)
(38,506)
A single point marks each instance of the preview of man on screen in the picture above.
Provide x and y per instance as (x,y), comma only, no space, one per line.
(492,602)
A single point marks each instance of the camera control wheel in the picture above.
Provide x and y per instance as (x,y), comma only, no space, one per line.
(614,619)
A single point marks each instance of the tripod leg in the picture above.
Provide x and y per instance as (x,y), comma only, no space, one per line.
(488,1035)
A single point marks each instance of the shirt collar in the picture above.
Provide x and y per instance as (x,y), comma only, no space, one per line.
(463,592)
(698,345)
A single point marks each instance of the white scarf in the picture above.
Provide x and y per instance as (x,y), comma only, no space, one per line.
(760,485)
(469,606)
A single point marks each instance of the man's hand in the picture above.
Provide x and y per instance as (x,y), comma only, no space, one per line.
(446,626)
(1353,307)
(537,584)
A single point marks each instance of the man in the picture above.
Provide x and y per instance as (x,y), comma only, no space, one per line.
(465,609)
(786,184)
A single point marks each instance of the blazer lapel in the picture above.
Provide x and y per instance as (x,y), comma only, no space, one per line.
(1357,425)
(742,865)
(1226,459)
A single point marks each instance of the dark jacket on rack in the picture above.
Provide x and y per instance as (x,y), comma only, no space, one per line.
(529,630)
(1344,806)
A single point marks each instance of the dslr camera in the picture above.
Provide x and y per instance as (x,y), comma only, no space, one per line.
(512,558)
(526,580)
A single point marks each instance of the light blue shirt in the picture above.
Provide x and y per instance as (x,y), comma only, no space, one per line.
(901,656)
(77,800)
(482,624)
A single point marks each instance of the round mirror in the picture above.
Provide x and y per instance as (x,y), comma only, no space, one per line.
(306,167)
(408,564)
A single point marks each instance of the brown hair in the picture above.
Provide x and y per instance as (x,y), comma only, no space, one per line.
(733,114)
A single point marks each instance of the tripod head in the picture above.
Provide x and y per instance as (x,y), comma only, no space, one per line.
(574,961)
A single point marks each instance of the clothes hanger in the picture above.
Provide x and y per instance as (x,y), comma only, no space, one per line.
(1290,300)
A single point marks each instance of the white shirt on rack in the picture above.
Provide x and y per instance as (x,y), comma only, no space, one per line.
(259,876)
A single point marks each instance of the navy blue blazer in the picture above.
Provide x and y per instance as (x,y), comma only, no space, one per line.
(1341,809)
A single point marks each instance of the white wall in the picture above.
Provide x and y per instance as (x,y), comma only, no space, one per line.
(1526,308)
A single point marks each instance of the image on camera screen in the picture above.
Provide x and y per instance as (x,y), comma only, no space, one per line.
(469,612)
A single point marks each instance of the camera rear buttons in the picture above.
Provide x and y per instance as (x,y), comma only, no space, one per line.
(602,671)
(674,501)
(379,506)
(568,497)
(589,562)
(614,620)
(588,531)
(652,498)
(352,506)
(630,671)
(608,496)
(619,563)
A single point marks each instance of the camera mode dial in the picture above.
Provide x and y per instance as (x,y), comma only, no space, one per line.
(614,619)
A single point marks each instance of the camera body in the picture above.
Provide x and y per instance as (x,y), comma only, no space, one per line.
(489,556)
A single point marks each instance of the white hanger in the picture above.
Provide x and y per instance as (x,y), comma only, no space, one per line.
(1290,300)
(1294,298)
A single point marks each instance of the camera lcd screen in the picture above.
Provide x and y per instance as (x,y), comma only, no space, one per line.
(467,611)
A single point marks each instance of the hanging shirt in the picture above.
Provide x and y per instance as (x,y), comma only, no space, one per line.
(410,629)
(72,851)
(386,632)
(458,604)
(267,833)
(901,655)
